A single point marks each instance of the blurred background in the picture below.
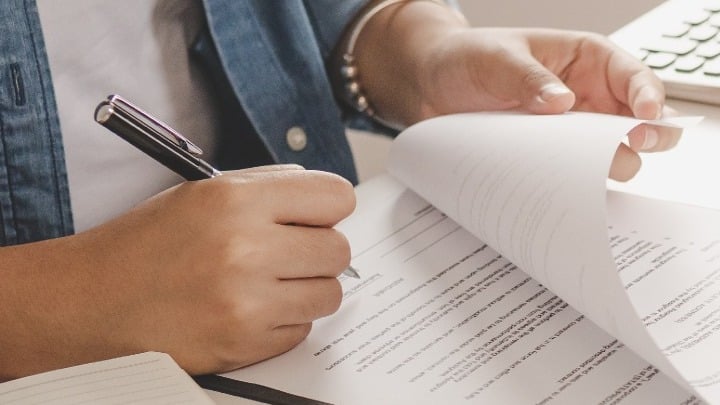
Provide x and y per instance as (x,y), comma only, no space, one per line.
(598,16)
(604,17)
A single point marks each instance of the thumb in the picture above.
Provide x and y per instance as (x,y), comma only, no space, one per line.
(538,90)
(551,97)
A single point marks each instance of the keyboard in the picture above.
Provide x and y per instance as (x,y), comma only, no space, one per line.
(680,41)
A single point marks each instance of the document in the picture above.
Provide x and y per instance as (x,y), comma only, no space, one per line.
(498,268)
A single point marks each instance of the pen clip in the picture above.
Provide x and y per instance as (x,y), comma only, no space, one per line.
(153,137)
(150,123)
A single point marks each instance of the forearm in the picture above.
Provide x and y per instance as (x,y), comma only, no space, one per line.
(392,51)
(41,303)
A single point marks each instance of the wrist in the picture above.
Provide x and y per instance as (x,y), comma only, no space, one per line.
(382,56)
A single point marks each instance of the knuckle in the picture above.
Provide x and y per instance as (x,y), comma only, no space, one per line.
(245,254)
(347,192)
(334,296)
(341,192)
(219,194)
(595,40)
(303,332)
(246,310)
(533,74)
(340,248)
(291,337)
(327,301)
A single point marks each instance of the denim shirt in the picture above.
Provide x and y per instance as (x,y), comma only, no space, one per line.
(34,197)
(269,56)
(272,53)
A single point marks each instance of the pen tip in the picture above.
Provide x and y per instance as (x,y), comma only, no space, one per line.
(352,272)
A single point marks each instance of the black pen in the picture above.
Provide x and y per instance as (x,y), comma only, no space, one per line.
(159,141)
(154,137)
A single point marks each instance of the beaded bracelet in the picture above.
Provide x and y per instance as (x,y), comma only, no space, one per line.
(349,71)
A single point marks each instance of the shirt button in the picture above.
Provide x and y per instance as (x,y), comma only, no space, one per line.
(296,139)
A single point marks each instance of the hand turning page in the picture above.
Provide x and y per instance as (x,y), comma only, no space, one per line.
(540,200)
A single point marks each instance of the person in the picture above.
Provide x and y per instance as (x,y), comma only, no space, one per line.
(226,272)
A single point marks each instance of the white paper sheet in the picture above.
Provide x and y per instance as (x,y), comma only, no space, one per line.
(439,317)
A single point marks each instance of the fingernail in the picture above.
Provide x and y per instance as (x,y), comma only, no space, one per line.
(551,91)
(648,103)
(651,139)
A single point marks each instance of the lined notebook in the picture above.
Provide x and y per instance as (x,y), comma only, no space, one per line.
(146,378)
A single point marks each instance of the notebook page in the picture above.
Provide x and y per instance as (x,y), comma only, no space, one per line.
(146,378)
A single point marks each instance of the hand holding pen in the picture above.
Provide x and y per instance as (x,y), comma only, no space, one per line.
(211,272)
(159,141)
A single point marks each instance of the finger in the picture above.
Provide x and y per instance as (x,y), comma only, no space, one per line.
(653,138)
(305,197)
(271,168)
(286,337)
(275,342)
(626,163)
(300,252)
(535,88)
(646,96)
(313,198)
(305,300)
(634,84)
